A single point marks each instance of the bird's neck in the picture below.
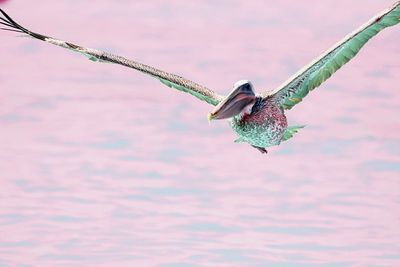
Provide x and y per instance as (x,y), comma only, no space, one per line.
(247,110)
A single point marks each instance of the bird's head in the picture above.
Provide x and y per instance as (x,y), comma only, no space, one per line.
(240,99)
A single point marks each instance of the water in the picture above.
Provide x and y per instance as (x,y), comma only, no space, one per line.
(102,166)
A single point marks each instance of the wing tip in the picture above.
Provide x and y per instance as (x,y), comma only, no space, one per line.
(7,21)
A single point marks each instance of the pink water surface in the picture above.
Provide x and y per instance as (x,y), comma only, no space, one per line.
(104,166)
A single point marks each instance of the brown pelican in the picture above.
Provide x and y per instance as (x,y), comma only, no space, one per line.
(257,119)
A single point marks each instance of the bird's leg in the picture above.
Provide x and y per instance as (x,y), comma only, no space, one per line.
(261,149)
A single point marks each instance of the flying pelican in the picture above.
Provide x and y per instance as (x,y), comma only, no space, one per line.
(257,119)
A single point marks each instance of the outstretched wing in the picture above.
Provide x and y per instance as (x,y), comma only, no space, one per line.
(311,76)
(169,79)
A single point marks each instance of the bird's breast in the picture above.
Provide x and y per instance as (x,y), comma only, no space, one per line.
(263,127)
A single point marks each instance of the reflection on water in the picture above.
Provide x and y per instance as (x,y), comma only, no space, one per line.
(101,166)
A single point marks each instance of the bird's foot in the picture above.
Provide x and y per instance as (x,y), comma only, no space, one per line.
(261,149)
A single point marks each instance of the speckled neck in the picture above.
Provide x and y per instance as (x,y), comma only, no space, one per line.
(257,105)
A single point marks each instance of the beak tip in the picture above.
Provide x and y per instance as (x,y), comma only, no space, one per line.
(210,117)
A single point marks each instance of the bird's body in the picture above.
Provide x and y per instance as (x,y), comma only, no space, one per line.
(257,119)
(264,126)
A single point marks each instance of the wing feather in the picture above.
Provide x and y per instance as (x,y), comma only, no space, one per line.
(169,79)
(314,74)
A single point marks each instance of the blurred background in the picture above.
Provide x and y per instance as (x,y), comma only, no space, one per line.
(104,166)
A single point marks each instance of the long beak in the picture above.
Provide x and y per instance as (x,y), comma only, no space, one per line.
(234,103)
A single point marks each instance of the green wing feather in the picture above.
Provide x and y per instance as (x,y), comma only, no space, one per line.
(207,96)
(169,79)
(311,76)
(290,131)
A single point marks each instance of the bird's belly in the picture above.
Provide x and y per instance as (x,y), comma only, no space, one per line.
(263,129)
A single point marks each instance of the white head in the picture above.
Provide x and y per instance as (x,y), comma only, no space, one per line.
(242,82)
(239,101)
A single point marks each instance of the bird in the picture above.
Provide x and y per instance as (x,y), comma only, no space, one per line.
(258,119)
